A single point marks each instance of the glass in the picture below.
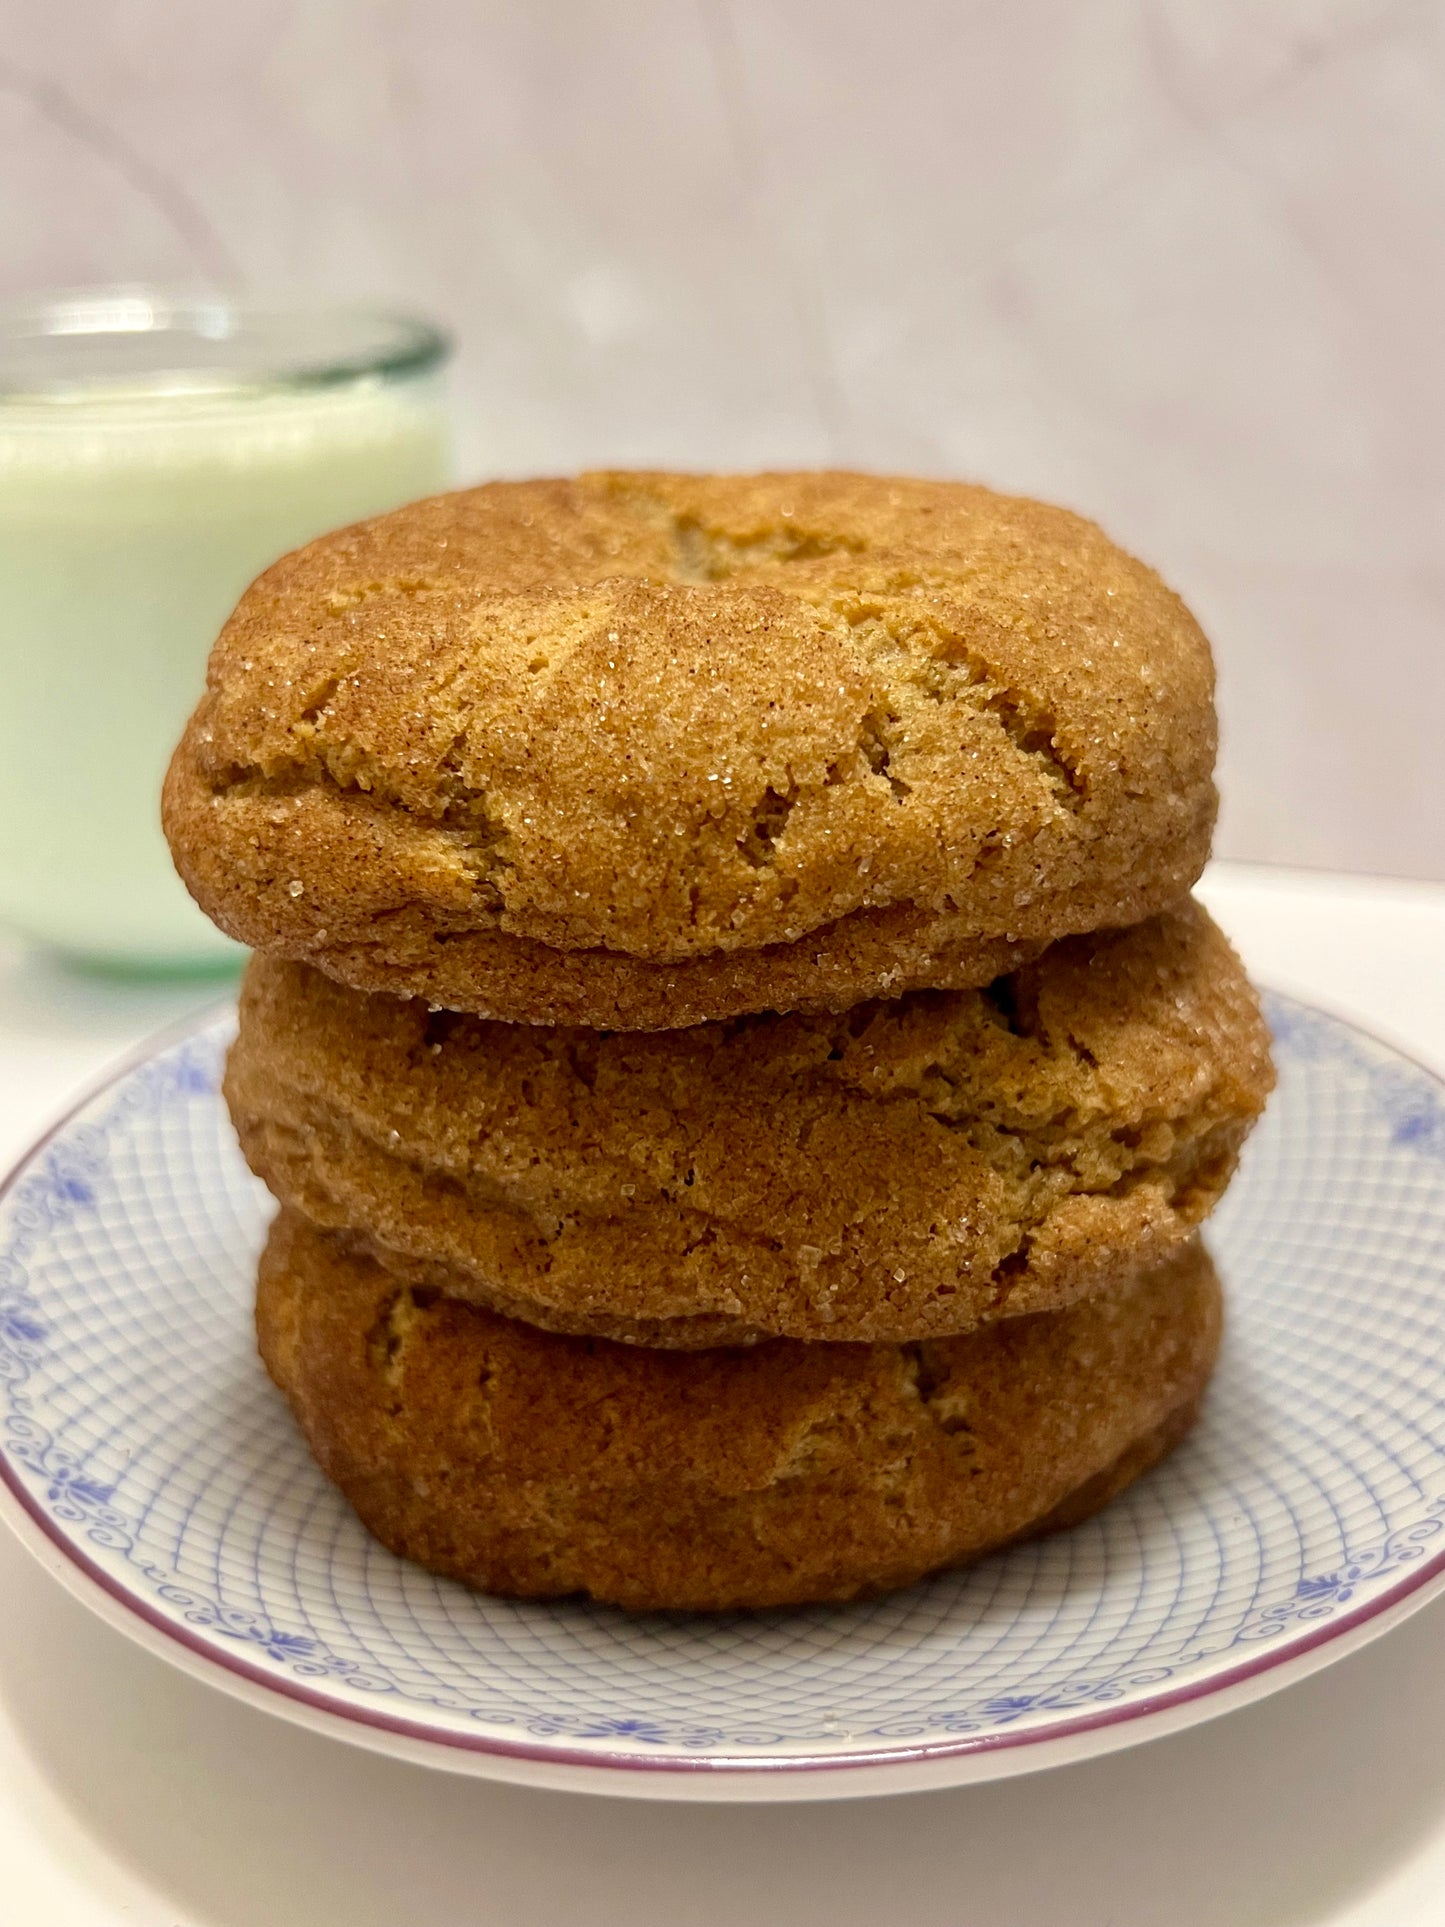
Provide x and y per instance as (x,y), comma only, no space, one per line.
(156,452)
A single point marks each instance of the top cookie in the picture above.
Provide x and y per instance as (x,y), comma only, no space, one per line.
(642,750)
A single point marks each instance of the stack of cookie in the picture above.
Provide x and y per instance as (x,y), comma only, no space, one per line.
(731,1040)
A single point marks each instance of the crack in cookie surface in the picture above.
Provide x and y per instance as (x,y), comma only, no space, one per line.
(674,719)
(906,1169)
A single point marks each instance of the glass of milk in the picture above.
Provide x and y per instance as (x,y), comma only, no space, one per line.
(156,452)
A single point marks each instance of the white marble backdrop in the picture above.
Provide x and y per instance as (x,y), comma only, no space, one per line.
(1179,263)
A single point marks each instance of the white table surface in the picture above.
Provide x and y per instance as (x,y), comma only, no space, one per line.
(130,1794)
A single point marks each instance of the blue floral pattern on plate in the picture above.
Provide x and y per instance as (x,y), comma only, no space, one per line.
(137,1425)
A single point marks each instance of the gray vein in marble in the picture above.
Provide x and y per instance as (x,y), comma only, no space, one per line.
(170,201)
(1308,60)
(1212,128)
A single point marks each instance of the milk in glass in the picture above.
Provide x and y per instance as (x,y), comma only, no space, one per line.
(155,455)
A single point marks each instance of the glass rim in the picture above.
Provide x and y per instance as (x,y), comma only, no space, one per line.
(286,339)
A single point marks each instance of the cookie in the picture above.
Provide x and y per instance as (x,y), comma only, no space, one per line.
(910,1169)
(639,751)
(536,1465)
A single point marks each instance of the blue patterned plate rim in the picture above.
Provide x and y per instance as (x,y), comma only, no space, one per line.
(1265,1672)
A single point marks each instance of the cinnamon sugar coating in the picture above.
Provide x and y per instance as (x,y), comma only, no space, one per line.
(908,1170)
(644,750)
(535,1465)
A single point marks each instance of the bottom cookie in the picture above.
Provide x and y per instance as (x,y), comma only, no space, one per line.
(535,1465)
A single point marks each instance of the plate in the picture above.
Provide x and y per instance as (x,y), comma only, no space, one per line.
(148,1462)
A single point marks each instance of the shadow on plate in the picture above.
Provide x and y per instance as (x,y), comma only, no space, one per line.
(1271,1817)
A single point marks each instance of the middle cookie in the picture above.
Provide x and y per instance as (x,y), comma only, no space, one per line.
(905,1170)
